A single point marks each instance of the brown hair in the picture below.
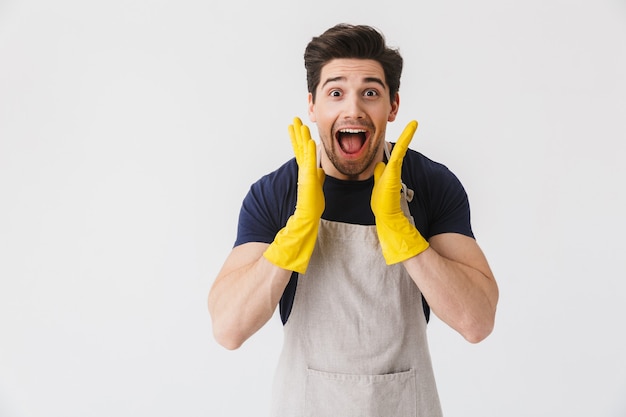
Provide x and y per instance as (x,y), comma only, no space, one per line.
(351,41)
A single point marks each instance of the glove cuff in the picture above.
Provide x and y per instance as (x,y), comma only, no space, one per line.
(400,241)
(293,245)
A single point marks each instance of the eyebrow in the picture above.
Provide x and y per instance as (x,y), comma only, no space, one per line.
(366,79)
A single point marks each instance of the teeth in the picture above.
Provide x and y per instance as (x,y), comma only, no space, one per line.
(352,131)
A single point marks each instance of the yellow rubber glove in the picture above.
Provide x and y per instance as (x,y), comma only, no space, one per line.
(399,239)
(293,245)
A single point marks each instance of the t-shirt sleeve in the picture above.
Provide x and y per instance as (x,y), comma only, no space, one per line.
(440,204)
(267,205)
(451,209)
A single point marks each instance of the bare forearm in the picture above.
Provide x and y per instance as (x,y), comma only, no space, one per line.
(241,301)
(462,296)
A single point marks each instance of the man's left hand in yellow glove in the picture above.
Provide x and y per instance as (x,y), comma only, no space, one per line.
(399,239)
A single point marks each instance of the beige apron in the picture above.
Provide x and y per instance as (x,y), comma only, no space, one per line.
(355,342)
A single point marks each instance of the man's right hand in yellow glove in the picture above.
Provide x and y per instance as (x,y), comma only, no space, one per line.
(293,245)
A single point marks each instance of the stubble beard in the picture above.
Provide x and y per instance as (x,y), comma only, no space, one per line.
(351,169)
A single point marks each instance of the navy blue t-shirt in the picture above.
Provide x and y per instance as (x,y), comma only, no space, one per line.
(439,205)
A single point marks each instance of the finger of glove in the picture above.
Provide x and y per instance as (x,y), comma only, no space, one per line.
(309,151)
(401,146)
(303,137)
(378,171)
(297,125)
(385,199)
(310,202)
(296,142)
(321,175)
(378,193)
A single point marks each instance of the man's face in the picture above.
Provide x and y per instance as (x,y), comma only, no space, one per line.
(351,110)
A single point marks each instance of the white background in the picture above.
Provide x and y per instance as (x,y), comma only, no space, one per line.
(130,130)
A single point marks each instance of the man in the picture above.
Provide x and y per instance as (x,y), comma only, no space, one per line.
(357,248)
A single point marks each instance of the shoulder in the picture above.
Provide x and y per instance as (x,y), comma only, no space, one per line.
(282,178)
(439,196)
(276,187)
(268,204)
(418,160)
(417,168)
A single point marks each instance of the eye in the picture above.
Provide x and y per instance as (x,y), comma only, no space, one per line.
(370,93)
(334,93)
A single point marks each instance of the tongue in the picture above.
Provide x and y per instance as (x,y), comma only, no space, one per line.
(351,143)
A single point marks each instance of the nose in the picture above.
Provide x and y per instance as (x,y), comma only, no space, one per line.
(353,108)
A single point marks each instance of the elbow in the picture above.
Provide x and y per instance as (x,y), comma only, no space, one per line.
(227,341)
(478,330)
(477,335)
(226,336)
(480,325)
(223,331)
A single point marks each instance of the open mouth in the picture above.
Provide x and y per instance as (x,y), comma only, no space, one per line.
(351,141)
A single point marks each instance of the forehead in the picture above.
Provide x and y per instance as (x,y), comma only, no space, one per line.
(352,69)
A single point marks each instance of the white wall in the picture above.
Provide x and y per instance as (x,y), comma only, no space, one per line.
(130,130)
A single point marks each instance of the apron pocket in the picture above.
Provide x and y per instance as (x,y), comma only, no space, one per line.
(348,395)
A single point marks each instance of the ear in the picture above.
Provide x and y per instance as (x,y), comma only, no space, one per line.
(311,107)
(395,105)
